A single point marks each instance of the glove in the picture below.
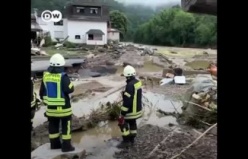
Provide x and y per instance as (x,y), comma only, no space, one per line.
(121,120)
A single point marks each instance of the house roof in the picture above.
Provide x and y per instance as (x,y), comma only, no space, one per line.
(86,3)
(104,11)
(95,31)
(88,18)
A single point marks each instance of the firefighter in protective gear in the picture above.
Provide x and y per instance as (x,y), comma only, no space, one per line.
(54,91)
(131,108)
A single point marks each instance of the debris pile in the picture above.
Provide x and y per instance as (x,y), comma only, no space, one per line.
(174,75)
(157,143)
(200,102)
(35,51)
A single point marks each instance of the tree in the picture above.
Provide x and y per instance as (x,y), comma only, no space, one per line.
(119,21)
(174,27)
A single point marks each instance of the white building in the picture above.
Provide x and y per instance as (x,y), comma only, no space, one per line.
(113,34)
(84,24)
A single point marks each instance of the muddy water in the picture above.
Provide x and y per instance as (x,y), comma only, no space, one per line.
(100,142)
(149,66)
(85,106)
(153,102)
(198,64)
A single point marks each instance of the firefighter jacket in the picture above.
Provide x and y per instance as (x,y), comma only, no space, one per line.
(54,91)
(132,99)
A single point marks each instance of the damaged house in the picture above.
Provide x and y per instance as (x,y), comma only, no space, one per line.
(83,23)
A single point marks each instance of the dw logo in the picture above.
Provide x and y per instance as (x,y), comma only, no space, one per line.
(51,16)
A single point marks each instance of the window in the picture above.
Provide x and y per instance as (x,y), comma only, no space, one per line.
(94,10)
(77,37)
(59,23)
(80,10)
(95,37)
(58,34)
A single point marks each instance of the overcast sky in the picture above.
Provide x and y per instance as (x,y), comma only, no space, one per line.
(150,2)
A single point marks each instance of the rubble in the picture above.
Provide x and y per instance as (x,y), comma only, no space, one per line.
(175,75)
(200,102)
(179,80)
(38,52)
(159,143)
(147,51)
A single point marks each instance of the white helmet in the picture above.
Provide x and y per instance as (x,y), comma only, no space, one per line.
(129,71)
(57,60)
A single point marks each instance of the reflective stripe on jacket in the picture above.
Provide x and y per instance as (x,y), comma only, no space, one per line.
(54,96)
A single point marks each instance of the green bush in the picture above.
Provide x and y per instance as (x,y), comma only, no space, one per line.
(69,45)
(48,41)
(54,43)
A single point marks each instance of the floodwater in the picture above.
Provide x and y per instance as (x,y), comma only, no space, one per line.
(100,142)
(85,106)
(149,66)
(198,64)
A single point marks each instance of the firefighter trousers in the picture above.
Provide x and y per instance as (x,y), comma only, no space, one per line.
(54,131)
(129,130)
(33,109)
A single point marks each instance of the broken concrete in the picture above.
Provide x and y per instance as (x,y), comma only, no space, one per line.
(44,152)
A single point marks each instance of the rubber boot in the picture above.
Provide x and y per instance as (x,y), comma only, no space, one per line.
(132,139)
(125,142)
(66,146)
(55,143)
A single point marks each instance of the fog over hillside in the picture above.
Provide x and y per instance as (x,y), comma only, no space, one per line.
(152,3)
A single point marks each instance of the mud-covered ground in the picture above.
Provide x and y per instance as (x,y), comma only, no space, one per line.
(149,136)
(171,142)
(88,89)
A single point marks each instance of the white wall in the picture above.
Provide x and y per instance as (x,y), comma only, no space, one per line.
(96,42)
(72,28)
(113,36)
(81,27)
(52,28)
